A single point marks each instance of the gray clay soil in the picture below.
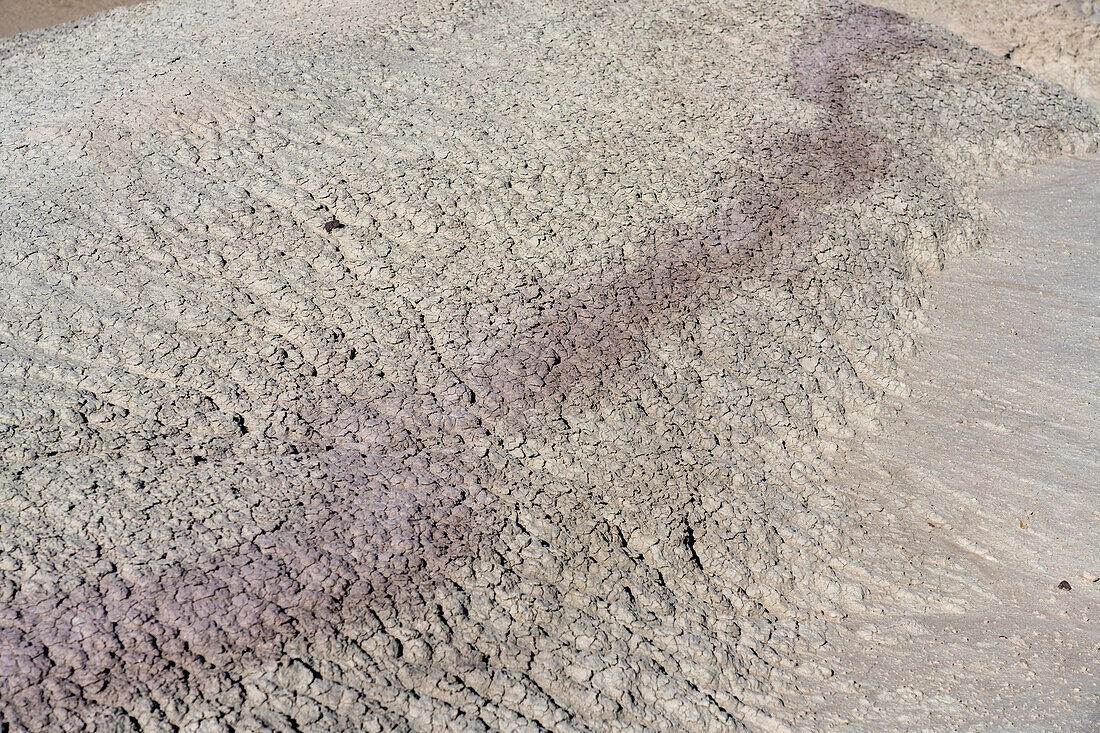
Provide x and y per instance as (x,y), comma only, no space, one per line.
(544,434)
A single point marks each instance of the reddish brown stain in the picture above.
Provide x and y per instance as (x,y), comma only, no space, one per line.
(848,41)
(767,233)
(375,538)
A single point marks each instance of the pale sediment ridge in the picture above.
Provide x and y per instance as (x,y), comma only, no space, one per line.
(983,575)
(466,367)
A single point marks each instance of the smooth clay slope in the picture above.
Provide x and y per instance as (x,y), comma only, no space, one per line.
(984,588)
(470,366)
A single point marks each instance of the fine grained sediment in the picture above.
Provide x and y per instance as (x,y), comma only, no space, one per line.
(536,437)
(985,481)
(20,16)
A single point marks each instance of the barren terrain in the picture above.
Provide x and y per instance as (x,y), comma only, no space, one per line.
(985,475)
(19,16)
(510,366)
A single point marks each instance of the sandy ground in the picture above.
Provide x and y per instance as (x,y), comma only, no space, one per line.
(17,16)
(987,473)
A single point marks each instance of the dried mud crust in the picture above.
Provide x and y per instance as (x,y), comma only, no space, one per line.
(537,438)
(1057,40)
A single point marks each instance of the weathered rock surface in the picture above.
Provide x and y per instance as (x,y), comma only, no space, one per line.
(534,440)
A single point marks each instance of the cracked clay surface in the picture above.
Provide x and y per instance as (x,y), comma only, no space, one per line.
(539,437)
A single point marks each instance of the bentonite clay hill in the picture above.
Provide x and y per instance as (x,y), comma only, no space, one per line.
(472,365)
(1058,40)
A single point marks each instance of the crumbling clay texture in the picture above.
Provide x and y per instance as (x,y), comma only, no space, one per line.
(1057,40)
(534,440)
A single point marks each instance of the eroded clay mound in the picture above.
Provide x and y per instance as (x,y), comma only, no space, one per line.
(1058,40)
(529,434)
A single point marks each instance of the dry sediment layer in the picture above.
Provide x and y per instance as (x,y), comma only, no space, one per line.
(19,16)
(535,437)
(986,478)
(1058,40)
